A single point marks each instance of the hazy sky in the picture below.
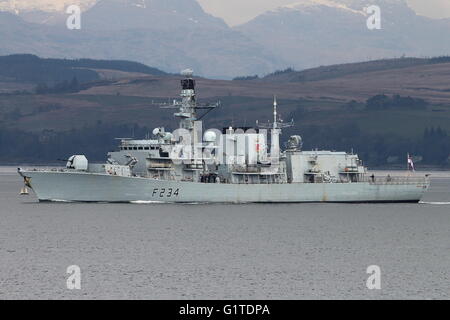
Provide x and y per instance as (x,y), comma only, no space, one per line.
(239,11)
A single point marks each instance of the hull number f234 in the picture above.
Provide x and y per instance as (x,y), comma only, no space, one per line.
(165,192)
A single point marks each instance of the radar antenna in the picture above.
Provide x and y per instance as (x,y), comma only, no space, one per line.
(188,106)
(277,123)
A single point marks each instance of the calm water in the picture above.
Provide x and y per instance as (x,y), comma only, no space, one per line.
(299,251)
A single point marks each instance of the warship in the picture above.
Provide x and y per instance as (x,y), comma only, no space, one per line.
(232,165)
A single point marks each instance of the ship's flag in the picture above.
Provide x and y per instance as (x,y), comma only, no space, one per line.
(410,163)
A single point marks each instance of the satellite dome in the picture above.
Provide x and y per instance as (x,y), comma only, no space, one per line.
(156,131)
(295,142)
(209,136)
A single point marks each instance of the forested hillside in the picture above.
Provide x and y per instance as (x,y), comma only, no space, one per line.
(380,113)
(30,68)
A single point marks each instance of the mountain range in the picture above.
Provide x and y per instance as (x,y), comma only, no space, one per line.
(170,34)
(174,34)
(322,32)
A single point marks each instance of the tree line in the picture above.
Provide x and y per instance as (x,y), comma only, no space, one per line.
(377,150)
(60,87)
(381,150)
(382,101)
(31,68)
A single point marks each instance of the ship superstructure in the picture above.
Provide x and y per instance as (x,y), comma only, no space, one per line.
(228,165)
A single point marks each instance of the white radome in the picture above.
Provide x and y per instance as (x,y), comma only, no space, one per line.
(209,136)
(156,131)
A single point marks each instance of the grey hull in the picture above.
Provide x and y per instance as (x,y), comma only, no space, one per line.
(89,187)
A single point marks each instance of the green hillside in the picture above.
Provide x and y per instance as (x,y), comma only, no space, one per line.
(340,70)
(30,68)
(382,115)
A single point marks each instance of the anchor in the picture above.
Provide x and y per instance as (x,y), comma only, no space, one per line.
(24,190)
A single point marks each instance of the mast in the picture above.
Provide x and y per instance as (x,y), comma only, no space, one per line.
(274,111)
(276,128)
(187,112)
(276,132)
(187,107)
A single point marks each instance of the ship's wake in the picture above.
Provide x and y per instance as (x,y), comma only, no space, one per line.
(146,202)
(163,202)
(435,203)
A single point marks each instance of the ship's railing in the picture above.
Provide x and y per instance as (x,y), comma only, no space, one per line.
(395,180)
(46,169)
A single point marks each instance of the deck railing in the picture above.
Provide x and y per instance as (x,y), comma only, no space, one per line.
(396,180)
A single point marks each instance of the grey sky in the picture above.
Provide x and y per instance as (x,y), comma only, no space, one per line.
(239,11)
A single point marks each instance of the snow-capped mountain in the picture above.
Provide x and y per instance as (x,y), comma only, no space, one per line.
(149,14)
(310,5)
(310,33)
(168,34)
(18,6)
(49,12)
(175,34)
(117,14)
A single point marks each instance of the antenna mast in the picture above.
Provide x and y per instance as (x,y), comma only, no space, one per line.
(187,107)
(277,122)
